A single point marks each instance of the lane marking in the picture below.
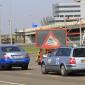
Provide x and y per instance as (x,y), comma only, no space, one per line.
(11,83)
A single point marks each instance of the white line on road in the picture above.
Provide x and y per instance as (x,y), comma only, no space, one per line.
(11,83)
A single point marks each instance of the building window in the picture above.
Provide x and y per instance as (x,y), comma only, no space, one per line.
(73,6)
(76,15)
(63,11)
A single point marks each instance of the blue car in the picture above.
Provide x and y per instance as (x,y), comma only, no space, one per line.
(13,56)
(64,60)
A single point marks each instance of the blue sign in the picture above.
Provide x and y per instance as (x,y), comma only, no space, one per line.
(34,25)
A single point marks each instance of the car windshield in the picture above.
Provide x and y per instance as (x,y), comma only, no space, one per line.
(10,49)
(79,52)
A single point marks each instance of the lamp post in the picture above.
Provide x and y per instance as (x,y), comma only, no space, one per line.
(0,29)
(80,31)
(10,27)
(0,26)
(10,22)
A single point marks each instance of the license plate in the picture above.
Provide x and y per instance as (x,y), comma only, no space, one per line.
(83,61)
(18,57)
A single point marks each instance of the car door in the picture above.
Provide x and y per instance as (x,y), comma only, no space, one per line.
(56,59)
(52,60)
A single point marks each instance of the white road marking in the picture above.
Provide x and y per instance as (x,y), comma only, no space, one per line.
(11,83)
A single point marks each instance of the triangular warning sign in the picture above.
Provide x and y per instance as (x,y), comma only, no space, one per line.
(51,41)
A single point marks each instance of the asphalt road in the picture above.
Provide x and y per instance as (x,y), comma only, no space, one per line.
(33,76)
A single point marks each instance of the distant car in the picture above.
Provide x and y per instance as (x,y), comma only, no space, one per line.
(12,55)
(64,60)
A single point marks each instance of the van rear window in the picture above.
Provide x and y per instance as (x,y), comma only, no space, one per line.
(79,52)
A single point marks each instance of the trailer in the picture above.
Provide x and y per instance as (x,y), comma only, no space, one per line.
(50,39)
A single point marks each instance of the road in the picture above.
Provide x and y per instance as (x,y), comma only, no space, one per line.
(33,76)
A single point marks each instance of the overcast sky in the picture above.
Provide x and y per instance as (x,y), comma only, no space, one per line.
(24,12)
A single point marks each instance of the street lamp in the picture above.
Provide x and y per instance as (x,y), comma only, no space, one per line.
(0,26)
(0,29)
(10,27)
(10,22)
(80,31)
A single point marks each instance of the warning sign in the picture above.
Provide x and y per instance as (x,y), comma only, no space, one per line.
(52,37)
(51,41)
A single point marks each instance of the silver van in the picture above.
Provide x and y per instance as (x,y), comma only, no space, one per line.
(64,60)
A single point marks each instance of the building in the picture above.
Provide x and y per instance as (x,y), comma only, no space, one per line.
(82,8)
(69,11)
(65,11)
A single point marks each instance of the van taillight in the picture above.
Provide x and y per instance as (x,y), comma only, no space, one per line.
(72,60)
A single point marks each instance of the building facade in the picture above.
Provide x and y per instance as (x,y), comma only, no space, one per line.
(63,11)
(71,11)
(83,9)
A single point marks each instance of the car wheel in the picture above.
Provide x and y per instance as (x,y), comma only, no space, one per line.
(63,71)
(9,67)
(43,69)
(6,67)
(25,67)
